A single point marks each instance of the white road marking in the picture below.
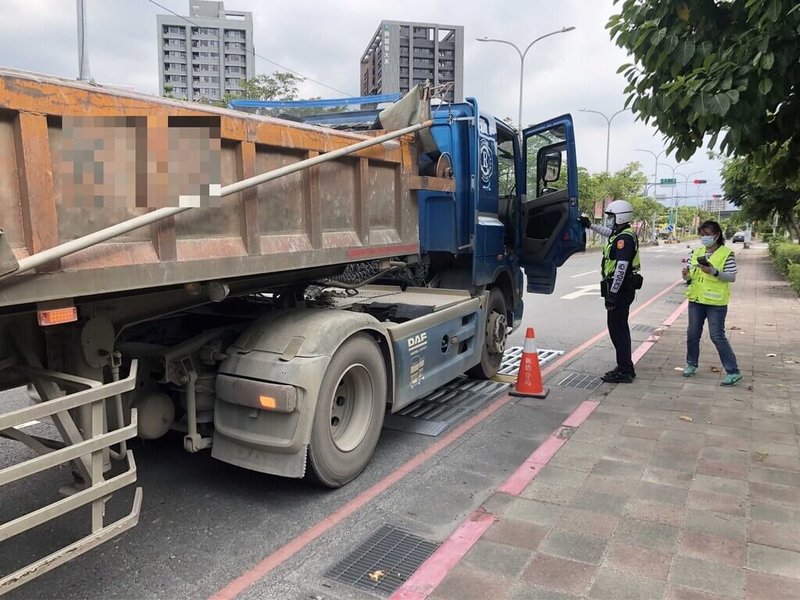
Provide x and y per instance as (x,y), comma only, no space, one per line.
(587,273)
(583,290)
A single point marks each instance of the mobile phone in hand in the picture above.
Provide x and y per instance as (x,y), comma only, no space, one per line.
(702,260)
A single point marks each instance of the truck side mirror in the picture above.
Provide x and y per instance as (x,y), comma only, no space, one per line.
(551,167)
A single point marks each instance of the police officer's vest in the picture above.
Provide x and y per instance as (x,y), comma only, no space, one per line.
(609,265)
(707,289)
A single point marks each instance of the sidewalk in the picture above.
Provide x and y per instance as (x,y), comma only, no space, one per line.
(672,488)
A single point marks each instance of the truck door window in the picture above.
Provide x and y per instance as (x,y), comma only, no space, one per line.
(547,161)
(507,181)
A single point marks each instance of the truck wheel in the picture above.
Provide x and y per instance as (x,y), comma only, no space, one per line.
(350,410)
(496,336)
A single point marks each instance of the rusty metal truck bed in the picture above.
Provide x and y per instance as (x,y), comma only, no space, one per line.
(354,208)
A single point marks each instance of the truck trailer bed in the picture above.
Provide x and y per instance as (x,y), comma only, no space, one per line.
(355,208)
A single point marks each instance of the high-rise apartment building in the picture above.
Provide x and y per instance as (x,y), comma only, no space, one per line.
(206,54)
(401,55)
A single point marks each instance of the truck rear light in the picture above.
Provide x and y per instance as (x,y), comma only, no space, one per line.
(57,316)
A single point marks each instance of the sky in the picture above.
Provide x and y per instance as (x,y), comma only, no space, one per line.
(324,40)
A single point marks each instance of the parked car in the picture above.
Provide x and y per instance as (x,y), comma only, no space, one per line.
(738,237)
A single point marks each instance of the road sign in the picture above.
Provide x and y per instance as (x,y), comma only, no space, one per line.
(667,182)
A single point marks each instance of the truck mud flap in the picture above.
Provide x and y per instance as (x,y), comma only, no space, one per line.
(87,453)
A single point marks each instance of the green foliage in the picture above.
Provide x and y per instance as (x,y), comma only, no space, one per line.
(786,254)
(278,86)
(706,67)
(625,184)
(773,244)
(744,185)
(794,277)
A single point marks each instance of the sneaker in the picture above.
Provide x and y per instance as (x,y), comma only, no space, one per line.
(689,370)
(615,371)
(617,377)
(731,379)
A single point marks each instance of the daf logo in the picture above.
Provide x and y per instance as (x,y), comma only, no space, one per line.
(418,342)
(486,161)
(417,339)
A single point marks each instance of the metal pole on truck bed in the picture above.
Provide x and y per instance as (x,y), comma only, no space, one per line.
(62,250)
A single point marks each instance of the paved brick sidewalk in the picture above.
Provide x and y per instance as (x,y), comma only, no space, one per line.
(673,488)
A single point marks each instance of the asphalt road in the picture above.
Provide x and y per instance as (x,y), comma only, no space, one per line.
(205,523)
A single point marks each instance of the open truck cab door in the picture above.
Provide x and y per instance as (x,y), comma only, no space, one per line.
(550,230)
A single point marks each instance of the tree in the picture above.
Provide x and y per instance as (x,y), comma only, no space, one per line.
(744,187)
(278,86)
(711,67)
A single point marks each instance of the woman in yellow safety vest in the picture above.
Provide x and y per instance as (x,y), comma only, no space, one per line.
(710,272)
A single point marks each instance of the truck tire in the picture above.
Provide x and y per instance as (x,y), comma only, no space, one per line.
(350,411)
(496,335)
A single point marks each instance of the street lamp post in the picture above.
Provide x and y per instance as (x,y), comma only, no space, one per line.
(655,173)
(522,54)
(608,133)
(686,183)
(676,202)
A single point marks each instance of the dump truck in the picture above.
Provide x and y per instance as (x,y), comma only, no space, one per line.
(268,287)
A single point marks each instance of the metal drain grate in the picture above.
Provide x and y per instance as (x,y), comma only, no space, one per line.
(432,414)
(384,561)
(583,381)
(513,356)
(645,328)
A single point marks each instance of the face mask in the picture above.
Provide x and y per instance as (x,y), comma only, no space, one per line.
(611,222)
(708,240)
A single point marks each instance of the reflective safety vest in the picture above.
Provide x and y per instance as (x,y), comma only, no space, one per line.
(609,264)
(707,289)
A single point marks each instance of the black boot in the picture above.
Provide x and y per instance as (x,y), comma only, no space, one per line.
(615,371)
(618,377)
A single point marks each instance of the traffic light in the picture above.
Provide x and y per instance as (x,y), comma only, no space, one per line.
(699,181)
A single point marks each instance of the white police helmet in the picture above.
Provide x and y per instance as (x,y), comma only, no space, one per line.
(621,210)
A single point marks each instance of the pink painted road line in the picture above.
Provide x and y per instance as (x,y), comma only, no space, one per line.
(528,470)
(295,545)
(593,340)
(651,341)
(433,571)
(670,320)
(580,414)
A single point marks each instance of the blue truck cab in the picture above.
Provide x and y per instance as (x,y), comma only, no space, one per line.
(515,205)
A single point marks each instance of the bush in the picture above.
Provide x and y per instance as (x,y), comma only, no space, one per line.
(785,255)
(766,237)
(794,277)
(774,243)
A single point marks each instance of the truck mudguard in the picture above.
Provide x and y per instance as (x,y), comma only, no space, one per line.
(292,347)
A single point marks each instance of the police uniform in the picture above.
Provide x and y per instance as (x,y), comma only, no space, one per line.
(620,270)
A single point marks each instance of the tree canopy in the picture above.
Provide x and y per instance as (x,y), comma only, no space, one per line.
(277,86)
(758,200)
(713,67)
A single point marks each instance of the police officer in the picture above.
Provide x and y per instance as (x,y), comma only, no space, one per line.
(620,271)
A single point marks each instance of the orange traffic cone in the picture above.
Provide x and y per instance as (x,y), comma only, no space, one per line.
(529,379)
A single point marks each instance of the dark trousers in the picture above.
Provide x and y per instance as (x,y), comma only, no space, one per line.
(620,333)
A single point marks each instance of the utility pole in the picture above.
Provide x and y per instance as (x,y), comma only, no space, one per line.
(83,54)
